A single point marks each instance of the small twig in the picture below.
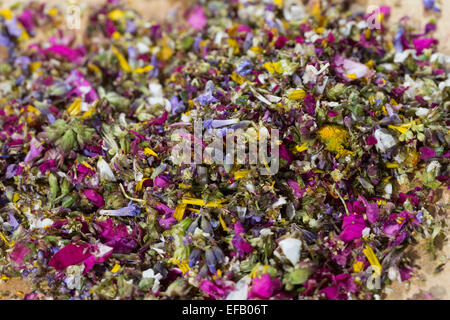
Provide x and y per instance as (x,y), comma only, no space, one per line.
(128,197)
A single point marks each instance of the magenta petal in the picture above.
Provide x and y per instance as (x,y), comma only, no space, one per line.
(331,292)
(78,81)
(262,287)
(35,150)
(76,253)
(26,19)
(238,228)
(162,208)
(99,254)
(167,223)
(162,181)
(71,254)
(423,43)
(392,226)
(371,140)
(298,193)
(352,227)
(332,113)
(285,153)
(19,252)
(94,197)
(427,153)
(66,52)
(310,104)
(211,289)
(47,165)
(281,41)
(243,28)
(243,247)
(372,211)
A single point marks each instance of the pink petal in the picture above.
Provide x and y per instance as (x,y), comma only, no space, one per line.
(94,197)
(197,19)
(423,43)
(345,67)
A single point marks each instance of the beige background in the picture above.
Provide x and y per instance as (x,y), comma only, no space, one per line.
(438,283)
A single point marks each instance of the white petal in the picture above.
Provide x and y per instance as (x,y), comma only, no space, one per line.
(241,290)
(105,171)
(291,248)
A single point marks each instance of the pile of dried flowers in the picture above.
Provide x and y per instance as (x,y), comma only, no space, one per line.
(94,207)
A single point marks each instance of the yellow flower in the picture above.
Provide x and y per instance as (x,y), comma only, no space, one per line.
(298,94)
(116,14)
(358,266)
(240,174)
(166,53)
(233,44)
(274,67)
(392,165)
(257,50)
(237,78)
(184,267)
(6,13)
(334,136)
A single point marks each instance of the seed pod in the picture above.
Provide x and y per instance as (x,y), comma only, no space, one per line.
(68,201)
(65,186)
(206,226)
(203,272)
(219,254)
(195,255)
(192,227)
(210,260)
(54,188)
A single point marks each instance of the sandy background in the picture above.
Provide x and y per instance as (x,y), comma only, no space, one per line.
(426,279)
